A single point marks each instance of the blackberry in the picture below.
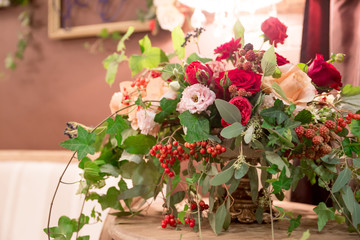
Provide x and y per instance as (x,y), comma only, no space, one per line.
(248,47)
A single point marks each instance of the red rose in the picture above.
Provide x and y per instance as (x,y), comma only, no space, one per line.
(227,49)
(245,109)
(247,80)
(280,60)
(324,74)
(198,72)
(274,30)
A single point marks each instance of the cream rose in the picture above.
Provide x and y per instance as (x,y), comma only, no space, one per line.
(169,17)
(296,85)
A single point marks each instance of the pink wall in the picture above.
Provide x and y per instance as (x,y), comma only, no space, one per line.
(58,81)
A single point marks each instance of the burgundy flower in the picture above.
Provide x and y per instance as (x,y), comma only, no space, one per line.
(280,60)
(227,49)
(324,74)
(274,30)
(245,109)
(198,72)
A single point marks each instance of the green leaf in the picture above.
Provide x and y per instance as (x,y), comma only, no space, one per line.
(144,43)
(282,183)
(110,199)
(109,169)
(279,91)
(222,177)
(91,171)
(136,191)
(82,143)
(240,172)
(121,45)
(168,106)
(268,62)
(83,238)
(304,117)
(303,67)
(104,33)
(249,134)
(254,183)
(324,214)
(177,197)
(349,90)
(220,218)
(277,73)
(139,144)
(10,62)
(229,112)
(355,127)
(198,127)
(356,162)
(259,214)
(234,183)
(275,115)
(151,58)
(111,64)
(343,178)
(350,103)
(276,159)
(169,70)
(196,57)
(116,127)
(178,38)
(205,185)
(239,31)
(294,223)
(351,205)
(232,131)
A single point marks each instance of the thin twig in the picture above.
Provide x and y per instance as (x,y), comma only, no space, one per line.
(53,198)
(81,211)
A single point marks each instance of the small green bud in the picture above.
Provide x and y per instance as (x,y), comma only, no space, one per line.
(339,57)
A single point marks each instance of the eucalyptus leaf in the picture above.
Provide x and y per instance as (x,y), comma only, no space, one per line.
(220,218)
(343,178)
(268,62)
(249,133)
(232,130)
(229,112)
(254,183)
(222,177)
(276,159)
(239,31)
(279,91)
(240,172)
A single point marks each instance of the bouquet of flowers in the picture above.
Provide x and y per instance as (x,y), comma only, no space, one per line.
(194,122)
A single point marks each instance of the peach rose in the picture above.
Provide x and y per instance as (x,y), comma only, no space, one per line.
(296,85)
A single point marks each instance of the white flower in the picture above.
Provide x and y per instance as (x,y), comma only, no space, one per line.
(196,98)
(146,123)
(174,85)
(169,17)
(159,3)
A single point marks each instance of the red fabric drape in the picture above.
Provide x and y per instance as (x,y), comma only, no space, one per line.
(315,37)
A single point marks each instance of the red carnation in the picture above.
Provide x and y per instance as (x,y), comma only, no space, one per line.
(274,30)
(227,49)
(198,72)
(280,60)
(245,109)
(324,74)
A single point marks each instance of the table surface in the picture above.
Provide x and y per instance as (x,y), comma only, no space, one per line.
(148,227)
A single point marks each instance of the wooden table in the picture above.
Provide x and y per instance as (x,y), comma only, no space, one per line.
(148,227)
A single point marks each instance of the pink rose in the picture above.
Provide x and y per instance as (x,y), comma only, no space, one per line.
(227,49)
(196,98)
(274,30)
(247,80)
(198,72)
(245,109)
(280,60)
(324,74)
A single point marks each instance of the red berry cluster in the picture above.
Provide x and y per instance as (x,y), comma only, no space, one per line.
(202,204)
(204,149)
(320,135)
(250,60)
(140,83)
(155,74)
(189,221)
(168,219)
(341,123)
(167,155)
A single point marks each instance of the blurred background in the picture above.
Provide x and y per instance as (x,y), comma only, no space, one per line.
(51,72)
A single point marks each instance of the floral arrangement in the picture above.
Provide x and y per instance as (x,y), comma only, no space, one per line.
(193,122)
